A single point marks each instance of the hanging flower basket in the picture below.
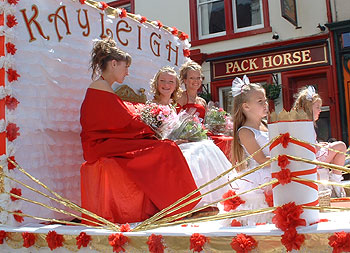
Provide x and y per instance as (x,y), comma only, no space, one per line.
(272,91)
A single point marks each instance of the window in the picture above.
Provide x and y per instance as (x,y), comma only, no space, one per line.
(217,20)
(128,5)
(345,38)
(247,14)
(211,17)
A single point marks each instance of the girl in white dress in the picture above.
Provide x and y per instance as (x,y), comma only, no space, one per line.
(205,160)
(250,134)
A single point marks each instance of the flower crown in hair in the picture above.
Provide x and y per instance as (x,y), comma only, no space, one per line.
(310,92)
(238,84)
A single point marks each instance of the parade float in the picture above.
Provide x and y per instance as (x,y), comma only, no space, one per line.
(45,51)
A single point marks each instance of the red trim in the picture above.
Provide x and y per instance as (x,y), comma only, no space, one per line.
(299,143)
(266,46)
(195,41)
(197,56)
(2,83)
(332,93)
(329,11)
(116,4)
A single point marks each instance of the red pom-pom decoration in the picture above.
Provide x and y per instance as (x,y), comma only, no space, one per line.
(243,243)
(125,228)
(11,20)
(288,216)
(3,236)
(12,131)
(292,240)
(54,240)
(12,75)
(28,239)
(155,244)
(17,217)
(11,48)
(16,191)
(197,242)
(340,242)
(117,241)
(11,102)
(231,204)
(83,240)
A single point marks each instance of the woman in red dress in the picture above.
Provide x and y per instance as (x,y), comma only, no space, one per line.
(129,175)
(191,75)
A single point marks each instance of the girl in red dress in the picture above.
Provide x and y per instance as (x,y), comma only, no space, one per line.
(129,175)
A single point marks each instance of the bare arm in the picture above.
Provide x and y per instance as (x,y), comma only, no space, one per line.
(248,140)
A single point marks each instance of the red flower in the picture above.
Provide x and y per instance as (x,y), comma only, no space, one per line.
(16,191)
(187,52)
(28,239)
(123,14)
(12,75)
(117,241)
(3,236)
(11,102)
(288,216)
(284,176)
(11,20)
(235,223)
(160,24)
(125,228)
(82,1)
(231,204)
(340,242)
(269,198)
(17,217)
(243,243)
(103,5)
(12,1)
(283,161)
(292,240)
(155,244)
(10,166)
(12,131)
(285,139)
(197,242)
(83,239)
(54,240)
(143,19)
(11,48)
(174,31)
(183,36)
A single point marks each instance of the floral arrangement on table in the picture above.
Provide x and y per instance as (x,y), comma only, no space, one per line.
(169,125)
(217,120)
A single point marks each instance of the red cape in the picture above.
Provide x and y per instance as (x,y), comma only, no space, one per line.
(157,167)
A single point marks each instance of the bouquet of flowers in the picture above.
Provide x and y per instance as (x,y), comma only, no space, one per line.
(217,120)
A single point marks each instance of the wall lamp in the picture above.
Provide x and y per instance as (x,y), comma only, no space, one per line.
(321,27)
(275,36)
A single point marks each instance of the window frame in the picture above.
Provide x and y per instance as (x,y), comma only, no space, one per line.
(118,3)
(230,33)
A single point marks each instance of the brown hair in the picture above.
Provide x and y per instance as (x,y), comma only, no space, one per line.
(154,83)
(190,65)
(239,118)
(103,51)
(304,102)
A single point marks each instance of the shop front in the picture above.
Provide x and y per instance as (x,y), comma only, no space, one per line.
(289,65)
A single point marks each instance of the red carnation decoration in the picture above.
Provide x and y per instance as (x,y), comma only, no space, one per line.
(340,242)
(283,161)
(11,20)
(288,216)
(231,204)
(243,243)
(54,240)
(12,131)
(117,241)
(160,24)
(11,48)
(292,240)
(12,75)
(12,1)
(174,30)
(83,239)
(284,176)
(183,36)
(28,239)
(235,223)
(197,242)
(3,236)
(143,19)
(11,102)
(82,1)
(17,217)
(125,228)
(269,198)
(104,5)
(16,191)
(10,166)
(123,14)
(285,139)
(187,52)
(155,244)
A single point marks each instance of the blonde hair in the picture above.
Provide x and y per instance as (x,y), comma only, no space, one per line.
(190,65)
(304,102)
(154,83)
(103,51)
(239,119)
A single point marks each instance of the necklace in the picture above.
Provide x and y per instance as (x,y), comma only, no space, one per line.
(191,98)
